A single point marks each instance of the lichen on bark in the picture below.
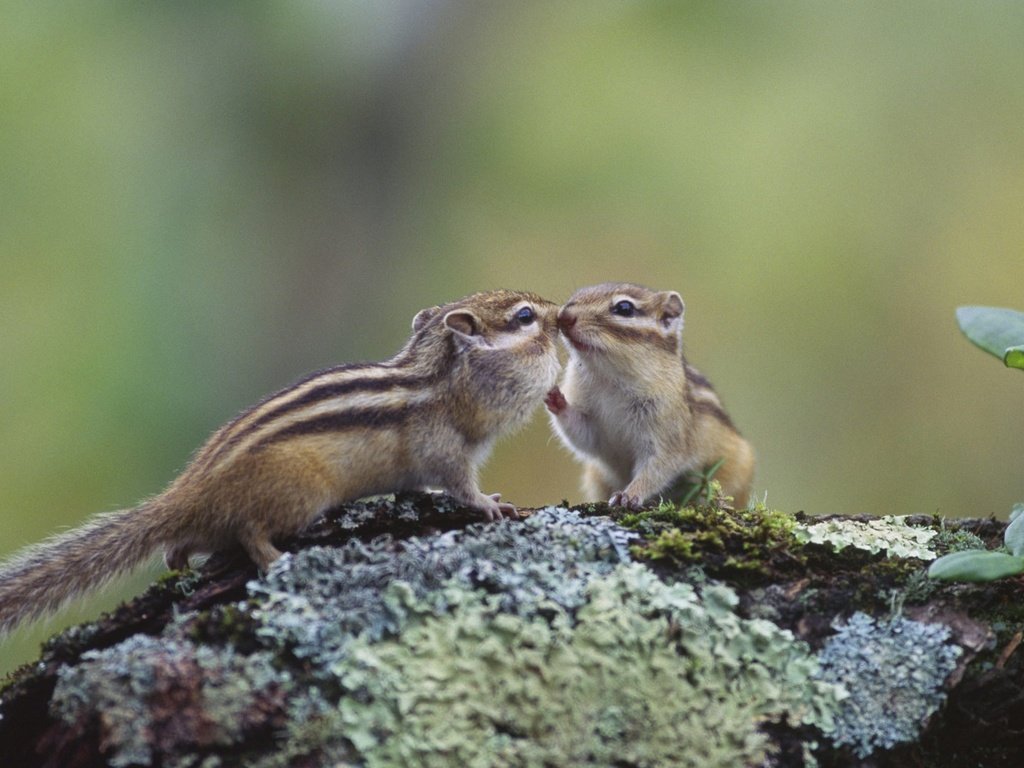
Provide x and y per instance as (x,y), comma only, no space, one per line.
(400,632)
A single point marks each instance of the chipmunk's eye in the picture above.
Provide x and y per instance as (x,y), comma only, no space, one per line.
(624,308)
(525,316)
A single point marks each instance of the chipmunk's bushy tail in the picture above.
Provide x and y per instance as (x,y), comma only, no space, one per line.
(41,578)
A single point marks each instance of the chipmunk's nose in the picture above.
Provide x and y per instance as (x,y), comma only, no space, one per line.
(566,319)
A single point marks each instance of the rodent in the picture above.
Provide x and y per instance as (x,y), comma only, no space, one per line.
(473,370)
(631,407)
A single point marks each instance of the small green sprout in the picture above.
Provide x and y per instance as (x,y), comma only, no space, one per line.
(697,487)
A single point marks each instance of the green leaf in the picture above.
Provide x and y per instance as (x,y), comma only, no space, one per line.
(976,565)
(998,331)
(1014,357)
(1014,536)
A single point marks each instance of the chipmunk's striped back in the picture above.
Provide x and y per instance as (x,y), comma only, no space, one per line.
(333,400)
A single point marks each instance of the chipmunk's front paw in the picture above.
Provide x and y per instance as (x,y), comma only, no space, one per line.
(556,402)
(623,499)
(494,508)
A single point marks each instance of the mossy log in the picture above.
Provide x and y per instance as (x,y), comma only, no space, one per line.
(405,632)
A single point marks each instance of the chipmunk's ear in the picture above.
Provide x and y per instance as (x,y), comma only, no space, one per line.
(463,324)
(423,317)
(672,307)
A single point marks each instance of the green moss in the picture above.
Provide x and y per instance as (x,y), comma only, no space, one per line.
(228,624)
(672,544)
(957,540)
(590,509)
(714,535)
(917,589)
(183,581)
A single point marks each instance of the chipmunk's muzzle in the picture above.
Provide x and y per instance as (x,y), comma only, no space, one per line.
(567,325)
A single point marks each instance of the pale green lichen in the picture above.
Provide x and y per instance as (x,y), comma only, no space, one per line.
(644,674)
(889,534)
(894,672)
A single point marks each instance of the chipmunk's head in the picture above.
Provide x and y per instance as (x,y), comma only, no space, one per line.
(506,338)
(494,320)
(616,323)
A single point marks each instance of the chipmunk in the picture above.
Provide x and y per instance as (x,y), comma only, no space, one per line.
(631,407)
(472,370)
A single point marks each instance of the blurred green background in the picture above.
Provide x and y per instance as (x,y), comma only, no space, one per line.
(200,202)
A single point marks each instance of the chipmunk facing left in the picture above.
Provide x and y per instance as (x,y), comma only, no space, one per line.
(631,407)
(472,371)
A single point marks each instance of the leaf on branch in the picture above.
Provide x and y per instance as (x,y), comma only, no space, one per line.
(998,331)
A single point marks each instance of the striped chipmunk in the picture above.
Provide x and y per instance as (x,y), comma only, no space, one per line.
(631,408)
(472,371)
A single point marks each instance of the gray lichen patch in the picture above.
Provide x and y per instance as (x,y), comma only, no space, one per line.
(894,672)
(316,601)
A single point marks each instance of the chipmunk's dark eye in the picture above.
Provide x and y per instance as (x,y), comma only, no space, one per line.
(624,308)
(525,316)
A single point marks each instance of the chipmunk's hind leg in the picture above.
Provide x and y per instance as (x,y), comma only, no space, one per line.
(260,549)
(596,484)
(295,486)
(176,557)
(737,473)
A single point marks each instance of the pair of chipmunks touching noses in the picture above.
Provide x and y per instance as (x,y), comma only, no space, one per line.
(630,407)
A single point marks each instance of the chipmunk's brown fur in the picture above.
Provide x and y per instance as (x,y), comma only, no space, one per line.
(630,406)
(472,371)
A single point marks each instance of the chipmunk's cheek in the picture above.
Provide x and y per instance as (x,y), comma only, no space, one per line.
(576,341)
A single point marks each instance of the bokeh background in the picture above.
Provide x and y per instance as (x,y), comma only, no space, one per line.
(200,202)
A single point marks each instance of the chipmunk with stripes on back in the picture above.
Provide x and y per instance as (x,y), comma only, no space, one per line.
(631,407)
(472,371)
